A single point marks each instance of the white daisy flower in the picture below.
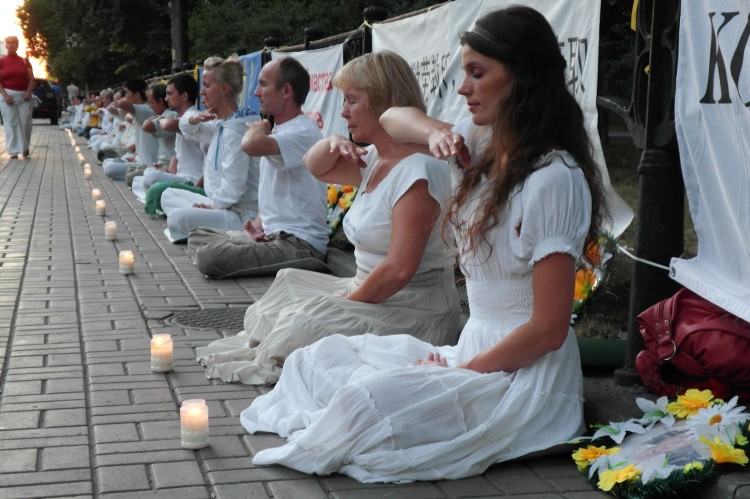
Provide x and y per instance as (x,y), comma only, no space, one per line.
(718,420)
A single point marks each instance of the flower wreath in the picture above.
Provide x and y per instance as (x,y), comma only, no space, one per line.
(673,447)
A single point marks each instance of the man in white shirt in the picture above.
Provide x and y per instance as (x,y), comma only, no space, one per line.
(290,229)
(187,163)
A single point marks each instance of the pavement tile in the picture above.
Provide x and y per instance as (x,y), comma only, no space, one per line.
(122,478)
(61,458)
(412,491)
(176,474)
(64,417)
(68,490)
(64,385)
(123,432)
(164,456)
(42,477)
(22,388)
(18,460)
(235,491)
(19,420)
(293,489)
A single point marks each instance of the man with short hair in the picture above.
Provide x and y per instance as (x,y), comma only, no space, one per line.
(291,222)
(187,163)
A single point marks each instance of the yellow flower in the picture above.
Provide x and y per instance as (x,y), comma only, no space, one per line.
(584,457)
(333,194)
(690,402)
(722,452)
(608,478)
(695,465)
(585,281)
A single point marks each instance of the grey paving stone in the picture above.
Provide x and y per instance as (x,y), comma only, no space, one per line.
(514,478)
(177,474)
(417,491)
(44,477)
(476,486)
(106,370)
(151,395)
(13,461)
(22,388)
(235,491)
(250,474)
(110,398)
(293,489)
(19,420)
(174,493)
(121,478)
(64,417)
(165,456)
(70,490)
(123,432)
(64,385)
(60,458)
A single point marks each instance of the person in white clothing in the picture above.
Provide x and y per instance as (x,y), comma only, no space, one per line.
(404,282)
(230,177)
(187,164)
(526,203)
(291,222)
(146,144)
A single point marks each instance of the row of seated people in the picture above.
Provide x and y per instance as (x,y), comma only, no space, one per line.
(250,198)
(370,380)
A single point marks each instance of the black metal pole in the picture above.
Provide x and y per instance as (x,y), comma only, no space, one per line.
(179,17)
(660,223)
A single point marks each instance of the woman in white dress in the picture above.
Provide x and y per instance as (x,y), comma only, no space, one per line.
(527,201)
(404,283)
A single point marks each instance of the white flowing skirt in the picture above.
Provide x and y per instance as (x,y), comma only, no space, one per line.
(360,406)
(302,307)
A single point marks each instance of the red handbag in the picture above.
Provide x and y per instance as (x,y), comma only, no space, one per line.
(691,343)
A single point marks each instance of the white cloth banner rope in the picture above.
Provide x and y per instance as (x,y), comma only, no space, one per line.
(323,103)
(712,115)
(429,42)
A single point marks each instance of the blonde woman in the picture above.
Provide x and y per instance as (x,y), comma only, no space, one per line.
(230,177)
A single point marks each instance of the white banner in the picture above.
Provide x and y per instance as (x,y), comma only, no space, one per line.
(429,42)
(323,103)
(712,115)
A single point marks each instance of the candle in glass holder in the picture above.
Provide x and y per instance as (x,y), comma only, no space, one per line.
(101,207)
(95,194)
(127,263)
(87,173)
(161,353)
(194,424)
(81,159)
(77,149)
(110,231)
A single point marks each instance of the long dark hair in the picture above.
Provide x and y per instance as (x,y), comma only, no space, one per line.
(540,115)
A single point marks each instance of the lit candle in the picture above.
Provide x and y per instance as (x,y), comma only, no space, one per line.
(194,424)
(81,159)
(101,207)
(110,231)
(95,194)
(127,264)
(161,353)
(87,173)
(77,149)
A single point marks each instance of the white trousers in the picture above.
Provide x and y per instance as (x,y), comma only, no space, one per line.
(17,121)
(177,204)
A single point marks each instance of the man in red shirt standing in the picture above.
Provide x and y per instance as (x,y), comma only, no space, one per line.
(16,103)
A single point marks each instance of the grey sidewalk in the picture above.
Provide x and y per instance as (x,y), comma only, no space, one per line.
(81,413)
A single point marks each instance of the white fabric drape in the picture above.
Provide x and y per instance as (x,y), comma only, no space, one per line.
(712,115)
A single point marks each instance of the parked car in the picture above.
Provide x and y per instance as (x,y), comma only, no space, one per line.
(47,107)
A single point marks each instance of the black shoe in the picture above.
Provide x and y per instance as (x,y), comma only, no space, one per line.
(26,153)
(14,156)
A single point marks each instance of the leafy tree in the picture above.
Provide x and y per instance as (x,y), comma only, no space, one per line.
(96,43)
